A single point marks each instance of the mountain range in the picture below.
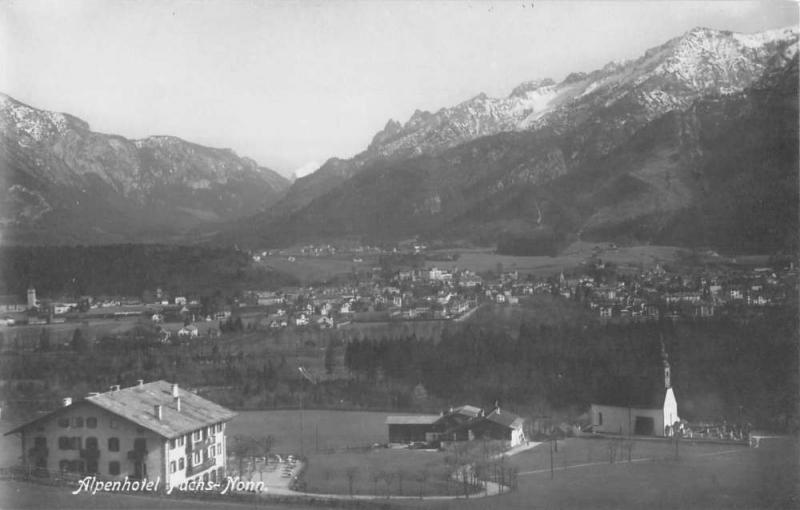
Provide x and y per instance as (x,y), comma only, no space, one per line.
(64,183)
(693,143)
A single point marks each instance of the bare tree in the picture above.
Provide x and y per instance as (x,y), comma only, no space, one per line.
(376,477)
(388,478)
(612,450)
(241,449)
(629,445)
(401,474)
(422,477)
(513,476)
(352,474)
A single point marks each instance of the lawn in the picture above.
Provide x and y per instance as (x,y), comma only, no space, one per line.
(381,471)
(322,430)
(704,476)
(316,269)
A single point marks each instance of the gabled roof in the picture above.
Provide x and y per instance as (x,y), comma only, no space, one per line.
(505,418)
(137,404)
(645,399)
(419,419)
(467,410)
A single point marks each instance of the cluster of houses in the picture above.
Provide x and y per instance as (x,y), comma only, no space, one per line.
(656,294)
(433,293)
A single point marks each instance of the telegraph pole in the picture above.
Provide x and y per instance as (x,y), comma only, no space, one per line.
(308,376)
(552,473)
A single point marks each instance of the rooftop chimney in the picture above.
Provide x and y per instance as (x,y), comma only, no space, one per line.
(93,394)
(114,387)
(157,411)
(175,393)
(66,401)
(178,403)
(140,382)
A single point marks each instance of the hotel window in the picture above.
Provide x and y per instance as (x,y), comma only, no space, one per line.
(40,442)
(219,448)
(112,423)
(91,443)
(599,418)
(113,444)
(63,465)
(197,435)
(181,465)
(91,423)
(113,468)
(197,458)
(77,422)
(212,451)
(63,443)
(63,422)
(180,441)
(172,467)
(172,443)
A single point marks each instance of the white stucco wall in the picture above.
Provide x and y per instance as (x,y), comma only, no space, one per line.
(622,420)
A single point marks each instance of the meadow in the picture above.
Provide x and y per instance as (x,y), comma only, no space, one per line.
(482,260)
(381,471)
(703,476)
(321,430)
(311,270)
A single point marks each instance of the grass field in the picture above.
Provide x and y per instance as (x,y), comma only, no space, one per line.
(316,269)
(704,476)
(381,471)
(320,429)
(484,259)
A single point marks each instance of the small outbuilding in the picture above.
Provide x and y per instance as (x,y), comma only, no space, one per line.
(413,428)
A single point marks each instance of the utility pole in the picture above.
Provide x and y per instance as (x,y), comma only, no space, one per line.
(552,474)
(302,452)
(313,380)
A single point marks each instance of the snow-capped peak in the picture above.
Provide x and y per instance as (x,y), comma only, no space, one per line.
(310,167)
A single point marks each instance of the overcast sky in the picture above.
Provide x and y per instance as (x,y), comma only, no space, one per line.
(288,83)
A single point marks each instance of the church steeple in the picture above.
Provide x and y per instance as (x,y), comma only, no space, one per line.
(665,361)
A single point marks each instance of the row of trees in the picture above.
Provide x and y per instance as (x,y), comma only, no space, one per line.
(130,270)
(720,368)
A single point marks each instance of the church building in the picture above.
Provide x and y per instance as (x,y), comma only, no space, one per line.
(642,410)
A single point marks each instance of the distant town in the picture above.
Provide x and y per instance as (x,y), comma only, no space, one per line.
(428,294)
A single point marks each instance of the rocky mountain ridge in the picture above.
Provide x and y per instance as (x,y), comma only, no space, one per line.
(55,168)
(671,76)
(489,169)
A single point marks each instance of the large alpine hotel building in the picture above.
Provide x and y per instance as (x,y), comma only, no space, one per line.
(145,431)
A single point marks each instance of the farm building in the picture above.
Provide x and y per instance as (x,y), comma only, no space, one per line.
(642,409)
(465,423)
(504,426)
(141,432)
(410,429)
